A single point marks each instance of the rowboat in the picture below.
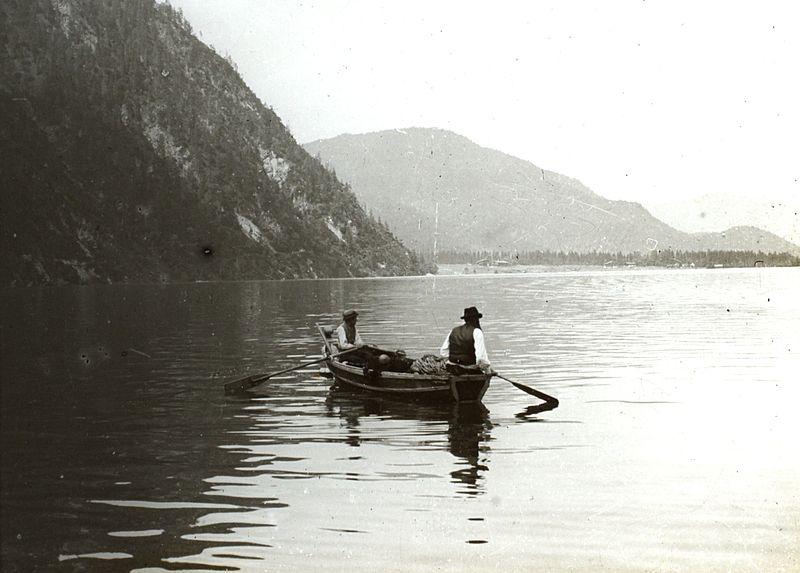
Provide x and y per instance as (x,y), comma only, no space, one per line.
(428,387)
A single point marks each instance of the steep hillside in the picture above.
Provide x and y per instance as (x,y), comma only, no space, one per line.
(431,185)
(130,151)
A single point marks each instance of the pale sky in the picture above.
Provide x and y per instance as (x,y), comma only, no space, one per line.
(640,100)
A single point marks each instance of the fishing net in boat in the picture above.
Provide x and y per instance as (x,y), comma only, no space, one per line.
(429,364)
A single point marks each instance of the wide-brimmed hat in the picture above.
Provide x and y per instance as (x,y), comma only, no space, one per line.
(348,314)
(471,312)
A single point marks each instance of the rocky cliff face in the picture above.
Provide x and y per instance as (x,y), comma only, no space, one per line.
(434,186)
(131,151)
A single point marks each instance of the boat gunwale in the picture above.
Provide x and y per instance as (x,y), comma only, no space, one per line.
(443,378)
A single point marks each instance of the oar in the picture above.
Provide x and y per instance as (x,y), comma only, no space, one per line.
(246,383)
(532,391)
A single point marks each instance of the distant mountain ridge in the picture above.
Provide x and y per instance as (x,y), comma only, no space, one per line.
(714,212)
(435,188)
(131,151)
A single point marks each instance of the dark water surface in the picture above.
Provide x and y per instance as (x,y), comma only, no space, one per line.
(674,448)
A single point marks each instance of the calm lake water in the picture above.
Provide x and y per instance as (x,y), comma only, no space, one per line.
(674,447)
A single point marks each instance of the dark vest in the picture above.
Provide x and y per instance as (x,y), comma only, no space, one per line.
(349,332)
(462,345)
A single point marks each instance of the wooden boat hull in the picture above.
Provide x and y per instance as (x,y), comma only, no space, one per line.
(427,387)
(469,388)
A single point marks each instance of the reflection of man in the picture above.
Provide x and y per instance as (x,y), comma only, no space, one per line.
(468,428)
(347,335)
(464,347)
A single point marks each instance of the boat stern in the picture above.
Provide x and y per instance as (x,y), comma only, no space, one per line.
(469,388)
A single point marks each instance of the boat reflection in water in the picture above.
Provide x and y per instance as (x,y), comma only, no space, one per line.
(467,434)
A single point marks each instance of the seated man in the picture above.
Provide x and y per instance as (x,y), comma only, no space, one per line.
(373,359)
(347,335)
(464,347)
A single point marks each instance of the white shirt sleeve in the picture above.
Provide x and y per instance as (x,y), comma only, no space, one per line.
(341,339)
(481,357)
(444,351)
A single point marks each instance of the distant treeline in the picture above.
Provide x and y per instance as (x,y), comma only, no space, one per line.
(656,258)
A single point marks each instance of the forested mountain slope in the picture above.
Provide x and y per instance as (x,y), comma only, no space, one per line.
(131,151)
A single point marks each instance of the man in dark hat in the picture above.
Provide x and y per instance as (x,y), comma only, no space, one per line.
(374,360)
(464,347)
(346,333)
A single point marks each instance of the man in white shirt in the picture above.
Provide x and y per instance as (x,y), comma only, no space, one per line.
(373,359)
(347,335)
(464,346)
